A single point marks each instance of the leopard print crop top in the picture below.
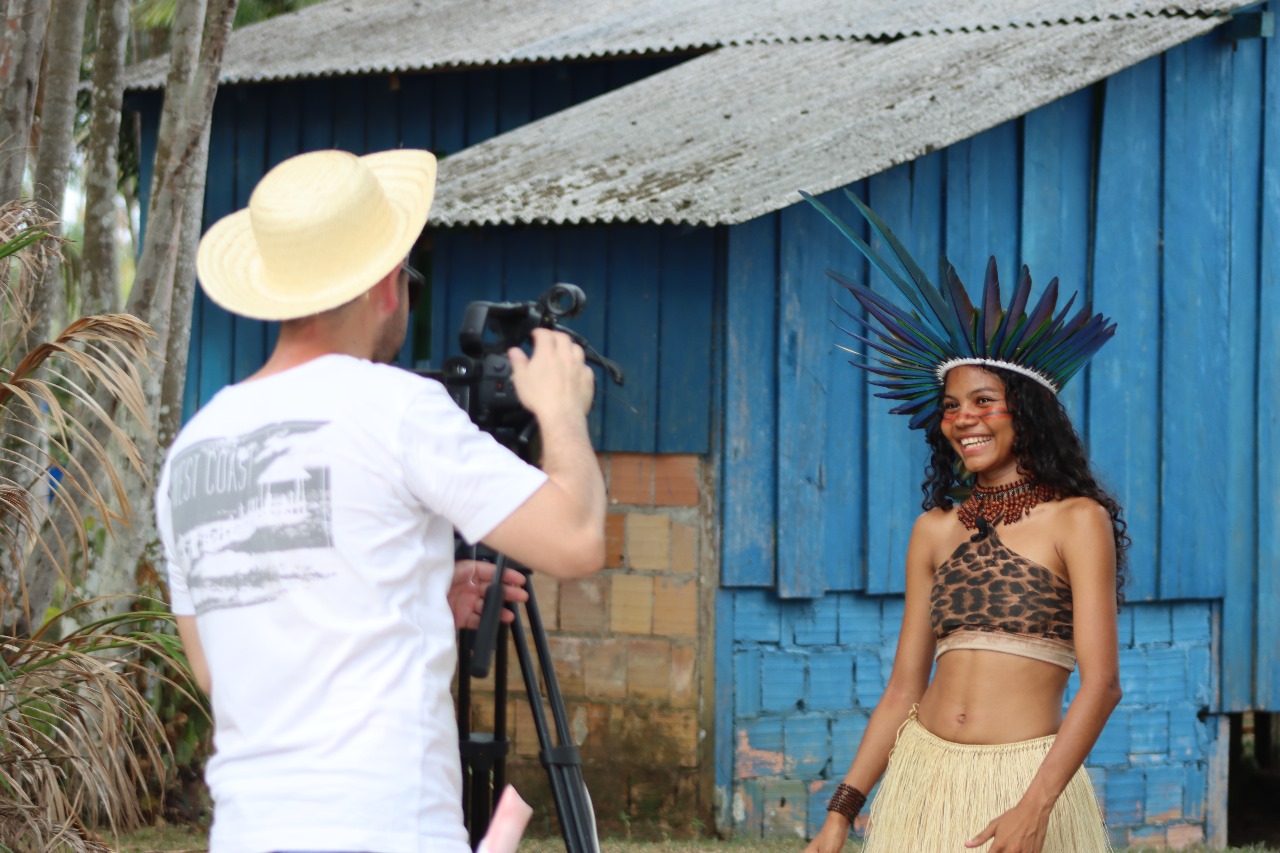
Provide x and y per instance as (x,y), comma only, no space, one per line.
(988,597)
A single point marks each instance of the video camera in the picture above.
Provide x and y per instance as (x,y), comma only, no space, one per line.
(479,380)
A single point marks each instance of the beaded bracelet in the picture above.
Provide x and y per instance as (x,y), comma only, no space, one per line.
(847,801)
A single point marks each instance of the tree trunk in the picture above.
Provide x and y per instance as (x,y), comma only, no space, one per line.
(57,145)
(53,161)
(100,280)
(165,282)
(21,48)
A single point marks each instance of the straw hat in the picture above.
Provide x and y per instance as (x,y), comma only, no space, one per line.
(320,229)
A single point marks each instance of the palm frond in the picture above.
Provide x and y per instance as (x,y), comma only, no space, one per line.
(53,394)
(78,736)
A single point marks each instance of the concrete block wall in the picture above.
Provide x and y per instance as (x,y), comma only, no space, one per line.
(807,674)
(631,650)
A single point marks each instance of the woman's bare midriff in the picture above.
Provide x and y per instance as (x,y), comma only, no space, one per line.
(980,696)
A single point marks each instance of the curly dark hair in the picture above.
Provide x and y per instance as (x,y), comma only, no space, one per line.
(1047,448)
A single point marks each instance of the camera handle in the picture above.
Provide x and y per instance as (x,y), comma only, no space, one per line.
(593,355)
(484,756)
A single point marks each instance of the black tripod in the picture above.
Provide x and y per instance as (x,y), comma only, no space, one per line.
(484,755)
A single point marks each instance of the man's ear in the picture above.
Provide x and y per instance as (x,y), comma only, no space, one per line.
(386,293)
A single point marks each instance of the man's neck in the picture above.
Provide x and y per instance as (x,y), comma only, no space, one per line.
(299,344)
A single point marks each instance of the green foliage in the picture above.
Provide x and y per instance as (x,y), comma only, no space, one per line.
(156,14)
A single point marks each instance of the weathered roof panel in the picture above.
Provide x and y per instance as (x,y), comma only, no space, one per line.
(734,134)
(345,37)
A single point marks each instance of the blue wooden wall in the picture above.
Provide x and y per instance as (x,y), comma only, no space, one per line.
(1155,192)
(651,291)
(651,306)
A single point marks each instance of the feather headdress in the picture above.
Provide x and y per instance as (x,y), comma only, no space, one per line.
(916,348)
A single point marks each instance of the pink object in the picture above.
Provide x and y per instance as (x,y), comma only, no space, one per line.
(508,823)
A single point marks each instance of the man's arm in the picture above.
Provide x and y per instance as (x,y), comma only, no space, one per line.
(559,530)
(195,652)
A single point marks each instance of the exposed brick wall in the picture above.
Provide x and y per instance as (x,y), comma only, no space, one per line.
(631,648)
(808,673)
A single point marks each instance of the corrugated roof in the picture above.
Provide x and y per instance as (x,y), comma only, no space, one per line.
(732,135)
(383,36)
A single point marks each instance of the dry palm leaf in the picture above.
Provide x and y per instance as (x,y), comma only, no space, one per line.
(78,737)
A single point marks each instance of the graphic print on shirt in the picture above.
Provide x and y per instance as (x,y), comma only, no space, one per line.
(248,515)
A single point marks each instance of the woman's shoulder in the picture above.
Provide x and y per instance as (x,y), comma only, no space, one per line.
(1082,512)
(935,524)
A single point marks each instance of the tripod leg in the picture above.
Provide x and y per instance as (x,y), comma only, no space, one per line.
(484,757)
(562,760)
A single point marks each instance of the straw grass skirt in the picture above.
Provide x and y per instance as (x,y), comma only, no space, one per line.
(936,795)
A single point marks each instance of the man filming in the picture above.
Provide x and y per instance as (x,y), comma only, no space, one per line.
(307,515)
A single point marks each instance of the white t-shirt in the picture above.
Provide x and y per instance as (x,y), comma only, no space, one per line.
(307,519)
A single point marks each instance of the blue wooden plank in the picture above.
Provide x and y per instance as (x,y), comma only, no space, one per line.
(349,123)
(448,128)
(634,292)
(515,98)
(195,350)
(685,357)
(249,336)
(474,274)
(909,199)
(725,696)
(982,203)
(481,105)
(590,80)
(213,336)
(845,451)
(284,130)
(749,491)
(382,109)
(1056,188)
(417,94)
(623,72)
(1197,232)
(442,308)
(1239,622)
(582,259)
(148,105)
(1268,435)
(1124,387)
(317,98)
(807,365)
(529,264)
(552,89)
(450,118)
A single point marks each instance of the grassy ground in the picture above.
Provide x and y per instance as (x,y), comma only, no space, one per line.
(180,839)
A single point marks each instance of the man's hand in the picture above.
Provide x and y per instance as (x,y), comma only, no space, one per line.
(556,378)
(466,594)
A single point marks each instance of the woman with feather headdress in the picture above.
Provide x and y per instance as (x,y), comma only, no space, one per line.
(1013,579)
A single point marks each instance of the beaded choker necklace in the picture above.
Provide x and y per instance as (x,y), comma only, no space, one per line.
(1005,504)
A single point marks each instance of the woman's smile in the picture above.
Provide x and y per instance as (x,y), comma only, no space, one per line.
(973,444)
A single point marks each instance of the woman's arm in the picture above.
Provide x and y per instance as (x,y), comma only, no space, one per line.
(907,682)
(1088,550)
